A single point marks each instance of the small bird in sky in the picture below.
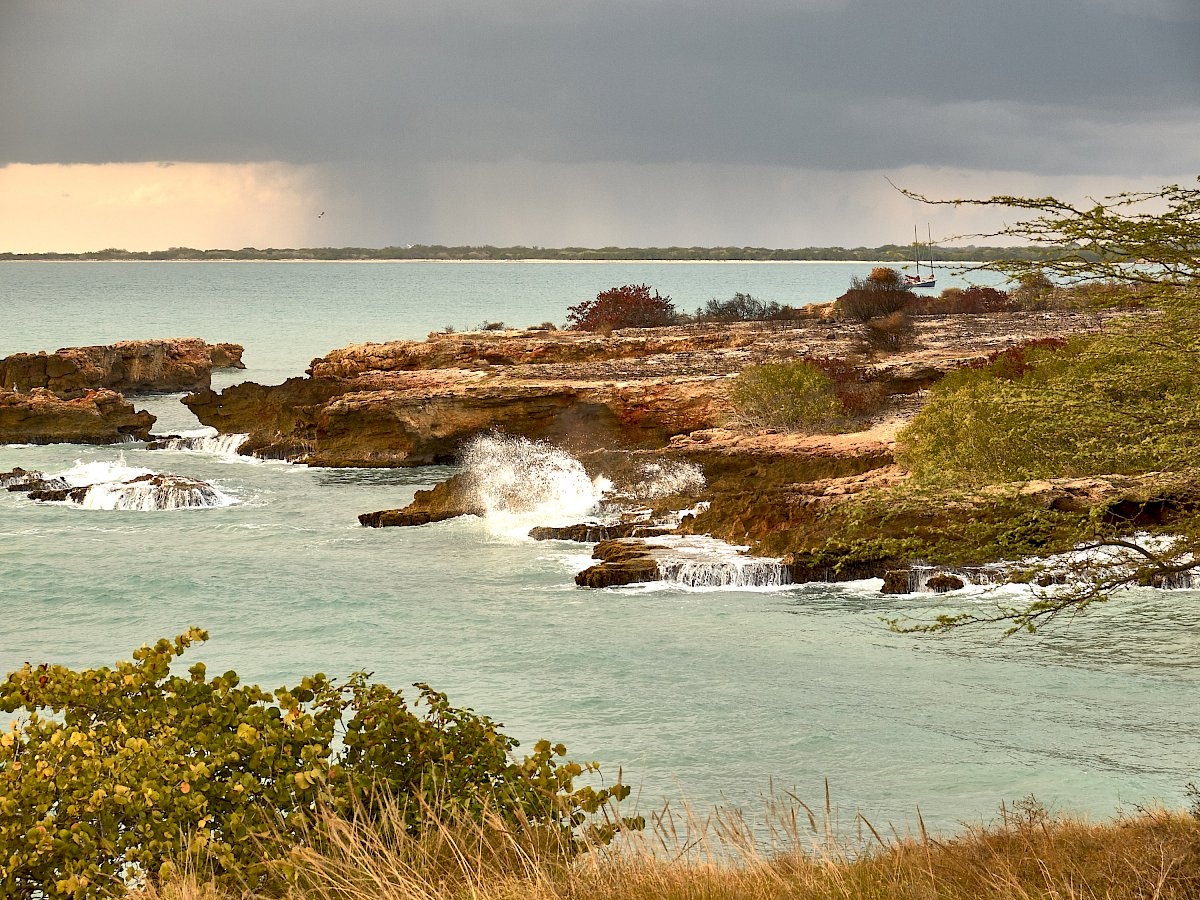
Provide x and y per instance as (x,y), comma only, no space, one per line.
(321,214)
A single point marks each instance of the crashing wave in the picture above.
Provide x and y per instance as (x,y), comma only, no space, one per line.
(518,483)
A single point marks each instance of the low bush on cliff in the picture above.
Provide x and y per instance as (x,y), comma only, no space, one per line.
(136,769)
(742,308)
(1124,402)
(793,396)
(629,306)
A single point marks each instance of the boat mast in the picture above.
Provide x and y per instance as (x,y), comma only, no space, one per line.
(929,234)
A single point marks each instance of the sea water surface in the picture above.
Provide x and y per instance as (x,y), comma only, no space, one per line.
(705,695)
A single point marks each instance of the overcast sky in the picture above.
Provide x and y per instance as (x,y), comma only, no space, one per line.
(556,122)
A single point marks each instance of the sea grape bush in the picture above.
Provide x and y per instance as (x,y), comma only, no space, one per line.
(136,769)
(629,306)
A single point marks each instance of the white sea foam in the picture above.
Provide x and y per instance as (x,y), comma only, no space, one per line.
(520,483)
(102,472)
(208,441)
(160,493)
(114,485)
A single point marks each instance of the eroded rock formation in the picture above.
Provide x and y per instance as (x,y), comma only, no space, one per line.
(417,402)
(153,366)
(97,417)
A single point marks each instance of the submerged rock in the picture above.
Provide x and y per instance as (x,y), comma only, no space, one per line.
(144,492)
(97,417)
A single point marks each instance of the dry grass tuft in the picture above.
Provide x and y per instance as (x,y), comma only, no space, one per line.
(793,853)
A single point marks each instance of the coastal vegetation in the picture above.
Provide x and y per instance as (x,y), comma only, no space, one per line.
(134,773)
(628,306)
(1027,853)
(136,783)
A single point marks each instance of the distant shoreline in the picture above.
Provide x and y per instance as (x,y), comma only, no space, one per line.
(537,261)
(888,254)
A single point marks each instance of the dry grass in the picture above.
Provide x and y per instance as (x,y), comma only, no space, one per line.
(794,854)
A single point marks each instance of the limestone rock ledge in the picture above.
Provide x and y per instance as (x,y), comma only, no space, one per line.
(409,403)
(151,366)
(98,417)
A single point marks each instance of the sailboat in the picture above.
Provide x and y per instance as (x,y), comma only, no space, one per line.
(918,280)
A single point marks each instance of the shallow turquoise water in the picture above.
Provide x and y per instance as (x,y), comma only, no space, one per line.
(703,695)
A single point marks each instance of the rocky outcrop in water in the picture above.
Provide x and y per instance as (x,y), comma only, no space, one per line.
(145,492)
(622,562)
(410,403)
(97,417)
(131,367)
(448,500)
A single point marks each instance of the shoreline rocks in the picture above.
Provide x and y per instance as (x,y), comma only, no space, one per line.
(131,367)
(97,417)
(409,403)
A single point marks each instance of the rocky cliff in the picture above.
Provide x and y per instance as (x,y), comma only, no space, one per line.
(153,366)
(98,417)
(409,403)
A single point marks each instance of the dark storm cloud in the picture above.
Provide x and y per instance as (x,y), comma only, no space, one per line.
(844,84)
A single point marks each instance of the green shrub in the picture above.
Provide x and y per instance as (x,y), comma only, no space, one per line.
(790,396)
(1121,403)
(139,769)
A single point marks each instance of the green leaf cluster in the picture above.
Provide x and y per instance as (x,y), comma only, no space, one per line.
(113,775)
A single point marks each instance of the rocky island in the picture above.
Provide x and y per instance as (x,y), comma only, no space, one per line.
(75,394)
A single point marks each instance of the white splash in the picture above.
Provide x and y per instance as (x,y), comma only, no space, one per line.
(116,485)
(101,472)
(520,483)
(207,441)
(156,492)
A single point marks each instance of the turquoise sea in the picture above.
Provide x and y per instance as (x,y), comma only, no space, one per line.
(704,695)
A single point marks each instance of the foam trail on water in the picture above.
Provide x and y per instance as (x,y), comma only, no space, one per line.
(520,483)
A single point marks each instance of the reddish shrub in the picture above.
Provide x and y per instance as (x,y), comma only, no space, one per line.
(881,293)
(629,306)
(1014,362)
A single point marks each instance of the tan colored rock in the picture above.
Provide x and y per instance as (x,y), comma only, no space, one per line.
(98,417)
(154,366)
(416,402)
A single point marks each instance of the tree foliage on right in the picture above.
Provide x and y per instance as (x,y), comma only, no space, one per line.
(1126,400)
